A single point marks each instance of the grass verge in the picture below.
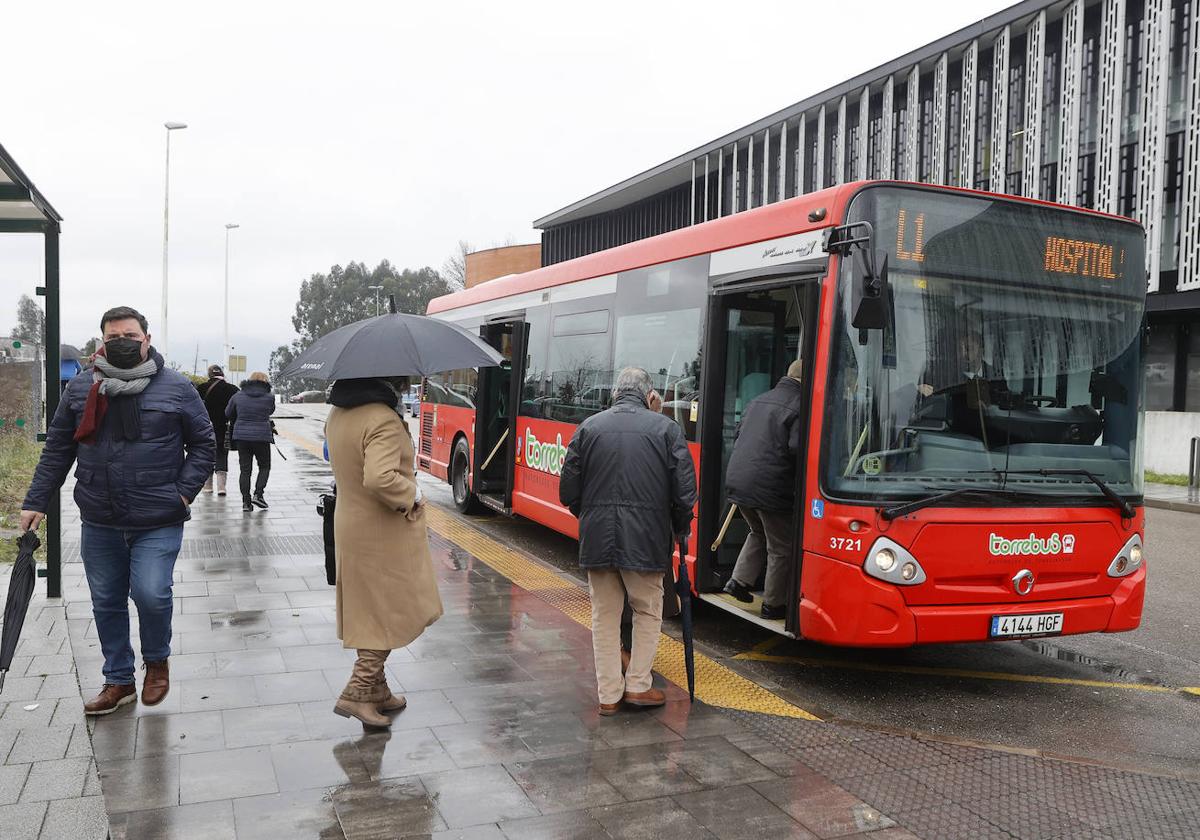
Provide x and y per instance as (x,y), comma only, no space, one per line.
(18,457)
(1166,478)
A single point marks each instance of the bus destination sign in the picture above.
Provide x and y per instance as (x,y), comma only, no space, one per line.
(1081,258)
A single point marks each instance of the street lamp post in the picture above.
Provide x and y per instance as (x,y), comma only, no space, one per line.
(228,228)
(377,289)
(169,126)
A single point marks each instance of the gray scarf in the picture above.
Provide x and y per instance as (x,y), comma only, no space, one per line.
(121,386)
(123,382)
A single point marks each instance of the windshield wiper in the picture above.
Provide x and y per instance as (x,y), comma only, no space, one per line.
(888,514)
(1112,495)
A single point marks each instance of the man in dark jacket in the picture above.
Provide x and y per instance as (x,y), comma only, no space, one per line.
(144,446)
(217,393)
(761,481)
(628,478)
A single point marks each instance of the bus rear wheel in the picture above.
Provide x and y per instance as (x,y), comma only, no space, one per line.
(460,485)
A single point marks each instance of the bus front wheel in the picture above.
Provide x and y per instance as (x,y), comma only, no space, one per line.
(460,485)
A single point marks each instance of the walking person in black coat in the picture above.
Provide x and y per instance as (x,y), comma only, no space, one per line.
(628,478)
(217,393)
(250,412)
(761,481)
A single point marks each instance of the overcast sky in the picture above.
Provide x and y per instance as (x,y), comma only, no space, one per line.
(347,131)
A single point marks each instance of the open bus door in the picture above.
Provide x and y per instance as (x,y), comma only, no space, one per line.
(754,331)
(497,399)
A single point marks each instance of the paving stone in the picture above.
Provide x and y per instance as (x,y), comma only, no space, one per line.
(223,774)
(327,763)
(77,819)
(577,825)
(209,820)
(648,820)
(383,810)
(822,807)
(732,813)
(42,744)
(477,796)
(62,779)
(139,783)
(304,813)
(178,734)
(22,821)
(564,784)
(12,780)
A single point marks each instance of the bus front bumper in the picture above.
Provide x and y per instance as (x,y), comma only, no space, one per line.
(841,605)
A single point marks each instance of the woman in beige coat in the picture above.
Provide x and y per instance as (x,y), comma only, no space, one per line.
(386,591)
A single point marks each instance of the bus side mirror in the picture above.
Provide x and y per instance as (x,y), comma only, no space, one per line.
(870,292)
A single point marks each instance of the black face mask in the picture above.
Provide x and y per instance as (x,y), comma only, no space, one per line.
(123,352)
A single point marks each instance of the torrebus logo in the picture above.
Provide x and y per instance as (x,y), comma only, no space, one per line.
(1031,546)
(545,457)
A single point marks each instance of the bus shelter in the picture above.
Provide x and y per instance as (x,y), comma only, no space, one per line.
(25,210)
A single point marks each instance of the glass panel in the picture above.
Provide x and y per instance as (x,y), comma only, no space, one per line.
(658,313)
(1160,367)
(1013,344)
(1192,402)
(579,382)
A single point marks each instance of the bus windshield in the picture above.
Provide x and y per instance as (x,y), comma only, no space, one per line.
(1010,356)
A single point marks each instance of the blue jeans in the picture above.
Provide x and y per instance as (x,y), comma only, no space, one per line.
(123,564)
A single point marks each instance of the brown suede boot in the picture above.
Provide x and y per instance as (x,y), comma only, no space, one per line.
(386,701)
(366,712)
(110,698)
(156,683)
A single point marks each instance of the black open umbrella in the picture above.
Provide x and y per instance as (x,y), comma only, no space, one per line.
(20,590)
(398,344)
(683,587)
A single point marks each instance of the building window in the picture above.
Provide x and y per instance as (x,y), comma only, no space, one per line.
(983,124)
(1160,367)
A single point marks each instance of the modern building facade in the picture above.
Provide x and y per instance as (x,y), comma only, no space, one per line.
(1088,102)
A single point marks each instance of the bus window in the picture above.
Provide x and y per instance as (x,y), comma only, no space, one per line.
(580,377)
(658,328)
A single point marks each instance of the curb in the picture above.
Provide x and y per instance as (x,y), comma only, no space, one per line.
(1168,504)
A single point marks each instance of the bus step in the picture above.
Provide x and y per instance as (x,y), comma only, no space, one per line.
(732,605)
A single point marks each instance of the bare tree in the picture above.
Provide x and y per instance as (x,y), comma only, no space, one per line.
(454,270)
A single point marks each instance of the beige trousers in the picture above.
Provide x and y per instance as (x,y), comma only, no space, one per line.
(368,683)
(609,588)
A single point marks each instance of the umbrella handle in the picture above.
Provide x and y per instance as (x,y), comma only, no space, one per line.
(495,449)
(724,527)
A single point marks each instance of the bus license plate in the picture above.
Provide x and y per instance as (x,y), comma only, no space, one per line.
(1037,624)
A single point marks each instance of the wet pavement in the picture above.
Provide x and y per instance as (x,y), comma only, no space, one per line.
(501,738)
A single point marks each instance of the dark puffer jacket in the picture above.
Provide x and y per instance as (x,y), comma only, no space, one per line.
(762,469)
(250,410)
(628,478)
(216,394)
(132,485)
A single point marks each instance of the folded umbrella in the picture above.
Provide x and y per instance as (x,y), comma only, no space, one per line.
(20,590)
(398,344)
(683,587)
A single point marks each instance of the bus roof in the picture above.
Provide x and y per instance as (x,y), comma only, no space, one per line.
(768,222)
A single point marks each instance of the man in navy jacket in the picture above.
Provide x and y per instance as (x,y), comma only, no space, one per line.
(144,447)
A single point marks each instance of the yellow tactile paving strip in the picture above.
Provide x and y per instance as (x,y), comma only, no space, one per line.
(716,684)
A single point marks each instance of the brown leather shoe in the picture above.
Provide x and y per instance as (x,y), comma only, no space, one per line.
(156,683)
(110,698)
(652,697)
(624,660)
(609,709)
(366,712)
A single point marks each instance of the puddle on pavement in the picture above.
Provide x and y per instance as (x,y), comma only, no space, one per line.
(1052,651)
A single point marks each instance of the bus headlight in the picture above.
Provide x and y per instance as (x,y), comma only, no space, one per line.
(885,560)
(1128,559)
(890,561)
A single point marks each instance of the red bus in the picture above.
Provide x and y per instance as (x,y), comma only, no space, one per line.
(972,366)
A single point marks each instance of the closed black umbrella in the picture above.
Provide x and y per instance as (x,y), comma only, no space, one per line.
(20,590)
(392,345)
(683,587)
